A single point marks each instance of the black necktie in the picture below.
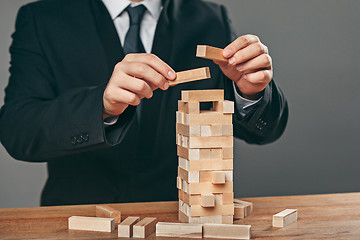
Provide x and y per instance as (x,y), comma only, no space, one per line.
(133,42)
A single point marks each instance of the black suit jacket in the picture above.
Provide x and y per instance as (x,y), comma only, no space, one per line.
(62,56)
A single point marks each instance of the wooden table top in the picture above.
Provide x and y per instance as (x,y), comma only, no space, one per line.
(330,216)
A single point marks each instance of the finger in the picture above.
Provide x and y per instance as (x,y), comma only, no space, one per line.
(248,53)
(238,44)
(117,100)
(259,77)
(127,97)
(135,85)
(147,73)
(153,61)
(262,61)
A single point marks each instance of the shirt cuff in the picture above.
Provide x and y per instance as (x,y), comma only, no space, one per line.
(110,121)
(243,105)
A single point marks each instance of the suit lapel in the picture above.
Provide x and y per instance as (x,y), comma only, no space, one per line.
(107,32)
(162,44)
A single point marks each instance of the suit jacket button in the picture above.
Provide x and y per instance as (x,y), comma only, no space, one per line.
(85,137)
(79,139)
(73,141)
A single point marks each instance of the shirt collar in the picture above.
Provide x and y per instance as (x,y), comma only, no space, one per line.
(116,7)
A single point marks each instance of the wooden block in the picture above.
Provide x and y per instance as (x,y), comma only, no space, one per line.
(227,198)
(144,228)
(207,200)
(184,163)
(228,153)
(284,218)
(210,153)
(180,117)
(209,52)
(179,183)
(108,212)
(125,228)
(205,219)
(205,131)
(207,118)
(211,142)
(199,188)
(198,210)
(218,177)
(228,107)
(226,231)
(178,139)
(205,154)
(190,177)
(191,75)
(216,153)
(189,107)
(210,219)
(239,211)
(249,208)
(225,107)
(202,95)
(182,230)
(186,153)
(194,199)
(185,186)
(187,130)
(208,165)
(185,141)
(216,130)
(227,219)
(91,224)
(227,130)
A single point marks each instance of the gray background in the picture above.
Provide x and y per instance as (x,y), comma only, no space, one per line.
(316,53)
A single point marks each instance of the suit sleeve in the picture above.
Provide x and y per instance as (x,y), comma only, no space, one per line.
(268,119)
(38,124)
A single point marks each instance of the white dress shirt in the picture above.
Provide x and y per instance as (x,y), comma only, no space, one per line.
(149,22)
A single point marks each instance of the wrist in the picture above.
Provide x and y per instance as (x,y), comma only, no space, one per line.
(105,114)
(252,97)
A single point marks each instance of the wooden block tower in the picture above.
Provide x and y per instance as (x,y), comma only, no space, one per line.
(205,148)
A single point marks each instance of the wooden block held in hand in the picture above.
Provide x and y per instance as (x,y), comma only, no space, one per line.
(91,224)
(284,218)
(207,200)
(182,230)
(209,52)
(125,229)
(227,231)
(108,212)
(144,228)
(191,75)
(218,177)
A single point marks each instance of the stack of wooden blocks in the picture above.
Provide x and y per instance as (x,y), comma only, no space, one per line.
(205,150)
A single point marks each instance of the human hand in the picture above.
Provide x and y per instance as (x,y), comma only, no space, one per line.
(249,65)
(135,78)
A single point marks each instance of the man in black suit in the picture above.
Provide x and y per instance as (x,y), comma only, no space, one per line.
(86,95)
